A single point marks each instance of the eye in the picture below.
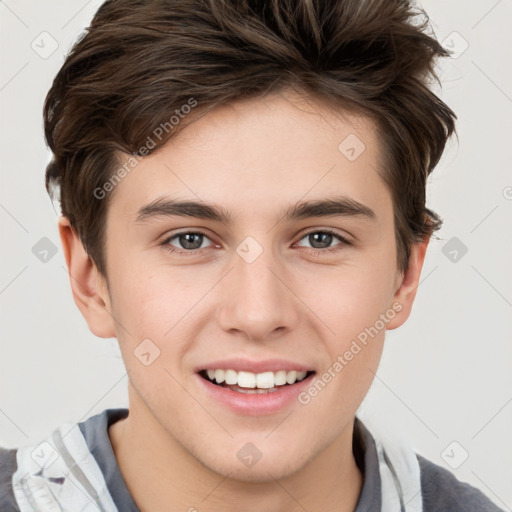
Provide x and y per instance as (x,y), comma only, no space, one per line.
(189,241)
(322,239)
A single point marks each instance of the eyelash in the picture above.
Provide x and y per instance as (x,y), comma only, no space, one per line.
(316,252)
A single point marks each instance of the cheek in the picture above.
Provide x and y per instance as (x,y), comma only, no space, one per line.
(353,308)
(152,304)
(156,296)
(359,316)
(350,298)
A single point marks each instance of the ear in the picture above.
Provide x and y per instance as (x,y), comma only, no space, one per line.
(407,283)
(89,288)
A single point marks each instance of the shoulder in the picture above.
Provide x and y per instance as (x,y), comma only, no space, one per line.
(86,442)
(8,466)
(443,492)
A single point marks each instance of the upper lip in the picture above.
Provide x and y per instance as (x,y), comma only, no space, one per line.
(247,365)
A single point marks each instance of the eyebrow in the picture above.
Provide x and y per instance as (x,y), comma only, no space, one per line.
(330,207)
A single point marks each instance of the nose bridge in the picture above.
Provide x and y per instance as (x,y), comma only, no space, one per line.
(256,300)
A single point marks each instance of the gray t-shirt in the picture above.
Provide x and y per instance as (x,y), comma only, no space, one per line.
(441,491)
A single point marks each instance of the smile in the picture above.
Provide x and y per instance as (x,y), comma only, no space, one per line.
(254,383)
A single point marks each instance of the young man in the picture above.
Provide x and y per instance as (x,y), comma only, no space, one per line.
(243,207)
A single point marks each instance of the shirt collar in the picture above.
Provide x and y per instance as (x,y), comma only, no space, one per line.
(95,432)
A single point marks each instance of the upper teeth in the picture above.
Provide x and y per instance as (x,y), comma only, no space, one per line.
(265,380)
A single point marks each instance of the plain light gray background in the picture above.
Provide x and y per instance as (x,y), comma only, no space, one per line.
(445,379)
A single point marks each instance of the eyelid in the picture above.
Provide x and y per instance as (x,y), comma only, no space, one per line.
(167,238)
(343,241)
(345,237)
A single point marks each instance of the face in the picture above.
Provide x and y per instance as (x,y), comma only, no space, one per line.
(254,279)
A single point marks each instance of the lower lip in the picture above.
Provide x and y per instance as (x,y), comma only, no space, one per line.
(255,404)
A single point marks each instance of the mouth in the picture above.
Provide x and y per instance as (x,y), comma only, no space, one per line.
(253,387)
(250,383)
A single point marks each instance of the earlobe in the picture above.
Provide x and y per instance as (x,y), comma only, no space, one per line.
(89,289)
(406,292)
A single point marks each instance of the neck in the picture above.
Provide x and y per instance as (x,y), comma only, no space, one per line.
(173,479)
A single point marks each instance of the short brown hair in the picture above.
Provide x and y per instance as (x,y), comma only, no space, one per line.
(141,61)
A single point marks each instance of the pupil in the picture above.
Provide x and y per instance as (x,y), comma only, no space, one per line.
(321,235)
(186,243)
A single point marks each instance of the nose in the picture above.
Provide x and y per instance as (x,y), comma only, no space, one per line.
(257,299)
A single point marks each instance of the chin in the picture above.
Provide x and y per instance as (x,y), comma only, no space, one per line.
(266,468)
(259,473)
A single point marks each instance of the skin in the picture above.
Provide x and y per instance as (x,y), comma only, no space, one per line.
(254,158)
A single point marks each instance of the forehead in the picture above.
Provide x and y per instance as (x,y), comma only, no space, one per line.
(260,155)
